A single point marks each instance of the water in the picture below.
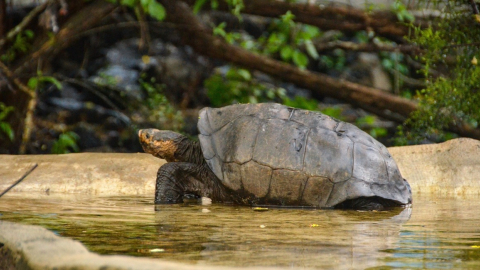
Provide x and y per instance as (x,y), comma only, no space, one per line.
(436,233)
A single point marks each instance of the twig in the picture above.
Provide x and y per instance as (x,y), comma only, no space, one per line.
(367,47)
(462,45)
(474,7)
(27,127)
(145,39)
(20,180)
(17,29)
(9,75)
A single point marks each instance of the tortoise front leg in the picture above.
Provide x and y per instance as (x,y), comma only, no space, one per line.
(175,179)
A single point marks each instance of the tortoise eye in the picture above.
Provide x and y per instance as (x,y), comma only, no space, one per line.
(147,136)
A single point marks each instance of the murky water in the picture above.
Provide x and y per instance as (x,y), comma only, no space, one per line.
(436,233)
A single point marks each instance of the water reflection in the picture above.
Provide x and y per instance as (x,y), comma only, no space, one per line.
(435,233)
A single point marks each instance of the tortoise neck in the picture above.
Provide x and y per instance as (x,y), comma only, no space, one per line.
(189,151)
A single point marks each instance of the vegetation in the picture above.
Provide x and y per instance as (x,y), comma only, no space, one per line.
(66,143)
(449,58)
(431,63)
(5,128)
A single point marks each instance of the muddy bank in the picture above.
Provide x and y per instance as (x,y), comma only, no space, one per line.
(448,168)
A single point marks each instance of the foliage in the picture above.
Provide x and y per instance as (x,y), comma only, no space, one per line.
(5,127)
(334,61)
(368,123)
(161,111)
(151,7)
(286,40)
(334,111)
(66,143)
(36,82)
(453,96)
(21,44)
(302,103)
(239,86)
(403,14)
(235,6)
(289,40)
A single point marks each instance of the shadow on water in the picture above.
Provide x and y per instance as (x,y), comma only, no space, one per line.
(435,233)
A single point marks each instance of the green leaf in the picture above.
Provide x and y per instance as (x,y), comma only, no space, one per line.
(7,130)
(145,3)
(52,80)
(214,4)
(156,10)
(286,53)
(288,17)
(128,3)
(302,103)
(32,83)
(312,51)
(5,110)
(335,112)
(65,142)
(219,30)
(29,34)
(311,31)
(198,5)
(245,74)
(300,59)
(378,132)
(248,45)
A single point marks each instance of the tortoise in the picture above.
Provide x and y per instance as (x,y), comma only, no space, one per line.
(271,154)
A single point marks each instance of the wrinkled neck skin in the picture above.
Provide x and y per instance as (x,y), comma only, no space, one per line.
(189,151)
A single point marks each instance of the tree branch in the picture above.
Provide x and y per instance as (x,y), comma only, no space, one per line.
(365,47)
(343,18)
(474,6)
(9,75)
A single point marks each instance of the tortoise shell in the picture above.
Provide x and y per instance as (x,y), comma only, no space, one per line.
(296,157)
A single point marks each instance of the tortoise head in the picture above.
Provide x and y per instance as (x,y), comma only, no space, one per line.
(160,143)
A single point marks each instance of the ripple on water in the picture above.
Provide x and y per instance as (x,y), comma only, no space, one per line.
(436,233)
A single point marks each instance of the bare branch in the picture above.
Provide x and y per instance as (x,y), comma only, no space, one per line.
(11,77)
(474,6)
(344,18)
(21,26)
(365,47)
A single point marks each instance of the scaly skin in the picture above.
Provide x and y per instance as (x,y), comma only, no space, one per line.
(186,171)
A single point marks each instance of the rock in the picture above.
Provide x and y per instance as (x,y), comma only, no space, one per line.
(452,167)
(447,168)
(87,173)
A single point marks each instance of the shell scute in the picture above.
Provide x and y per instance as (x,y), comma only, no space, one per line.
(329,155)
(286,155)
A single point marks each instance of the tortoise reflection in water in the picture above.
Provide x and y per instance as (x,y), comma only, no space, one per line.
(276,155)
